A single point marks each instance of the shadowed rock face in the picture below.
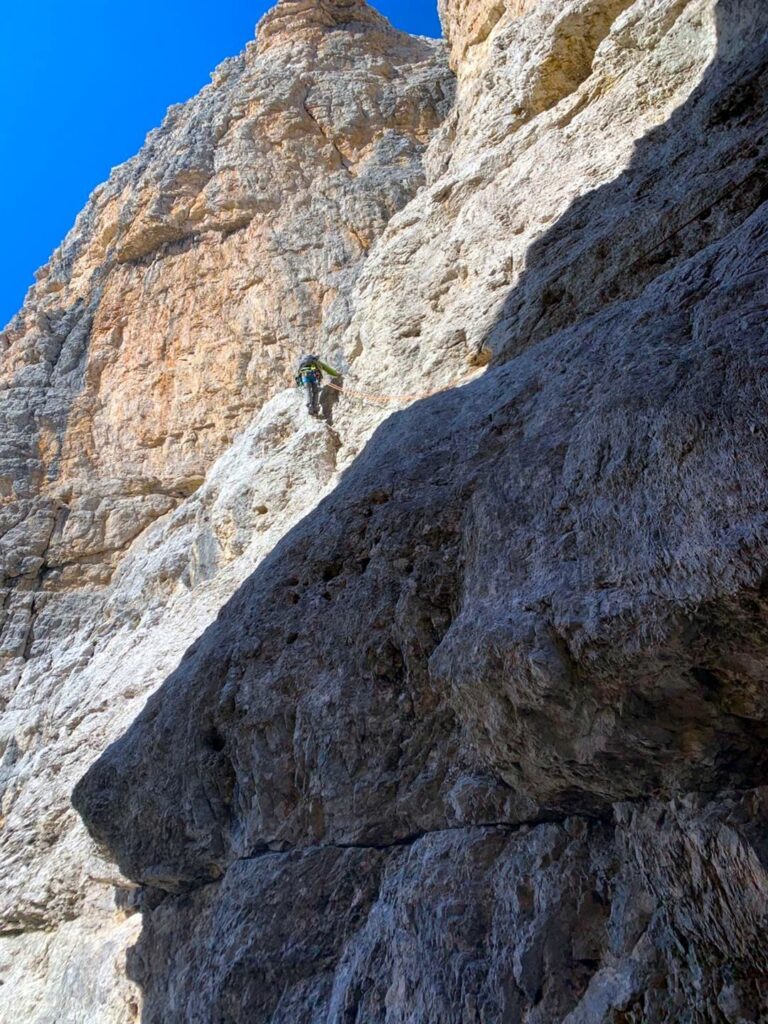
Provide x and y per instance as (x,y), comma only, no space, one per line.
(563,921)
(521,584)
(531,617)
(482,738)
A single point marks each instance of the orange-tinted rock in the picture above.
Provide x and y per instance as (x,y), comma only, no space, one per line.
(468,23)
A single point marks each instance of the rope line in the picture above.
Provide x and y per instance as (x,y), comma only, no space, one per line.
(412,396)
(725,193)
(383,400)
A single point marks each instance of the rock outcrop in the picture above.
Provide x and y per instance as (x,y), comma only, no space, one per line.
(480,736)
(468,23)
(176,306)
(172,315)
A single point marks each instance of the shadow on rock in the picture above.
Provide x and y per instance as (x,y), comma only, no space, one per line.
(529,598)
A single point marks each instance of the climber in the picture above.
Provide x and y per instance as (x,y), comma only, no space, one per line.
(310,377)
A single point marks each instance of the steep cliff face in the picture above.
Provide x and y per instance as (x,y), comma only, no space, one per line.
(481,737)
(177,304)
(468,23)
(171,315)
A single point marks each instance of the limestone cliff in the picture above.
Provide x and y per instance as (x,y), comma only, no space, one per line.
(171,315)
(478,733)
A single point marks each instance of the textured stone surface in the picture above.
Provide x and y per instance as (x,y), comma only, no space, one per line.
(468,23)
(552,602)
(75,973)
(174,312)
(171,583)
(178,303)
(481,737)
(660,917)
(622,654)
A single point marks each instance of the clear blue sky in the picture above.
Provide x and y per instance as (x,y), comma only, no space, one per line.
(81,84)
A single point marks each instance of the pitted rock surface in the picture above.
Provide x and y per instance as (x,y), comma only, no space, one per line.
(471,723)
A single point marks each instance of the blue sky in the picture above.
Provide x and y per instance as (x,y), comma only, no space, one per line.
(81,84)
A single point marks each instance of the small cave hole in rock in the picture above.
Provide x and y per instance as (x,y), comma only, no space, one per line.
(590,964)
(214,740)
(331,571)
(707,679)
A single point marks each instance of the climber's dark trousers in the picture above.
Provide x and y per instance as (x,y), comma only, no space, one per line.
(312,391)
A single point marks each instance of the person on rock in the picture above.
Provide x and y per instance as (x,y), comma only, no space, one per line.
(310,377)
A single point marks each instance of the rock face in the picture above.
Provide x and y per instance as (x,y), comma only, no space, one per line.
(172,314)
(468,23)
(561,922)
(480,736)
(127,372)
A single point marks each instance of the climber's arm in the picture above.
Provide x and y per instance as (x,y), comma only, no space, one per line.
(328,369)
